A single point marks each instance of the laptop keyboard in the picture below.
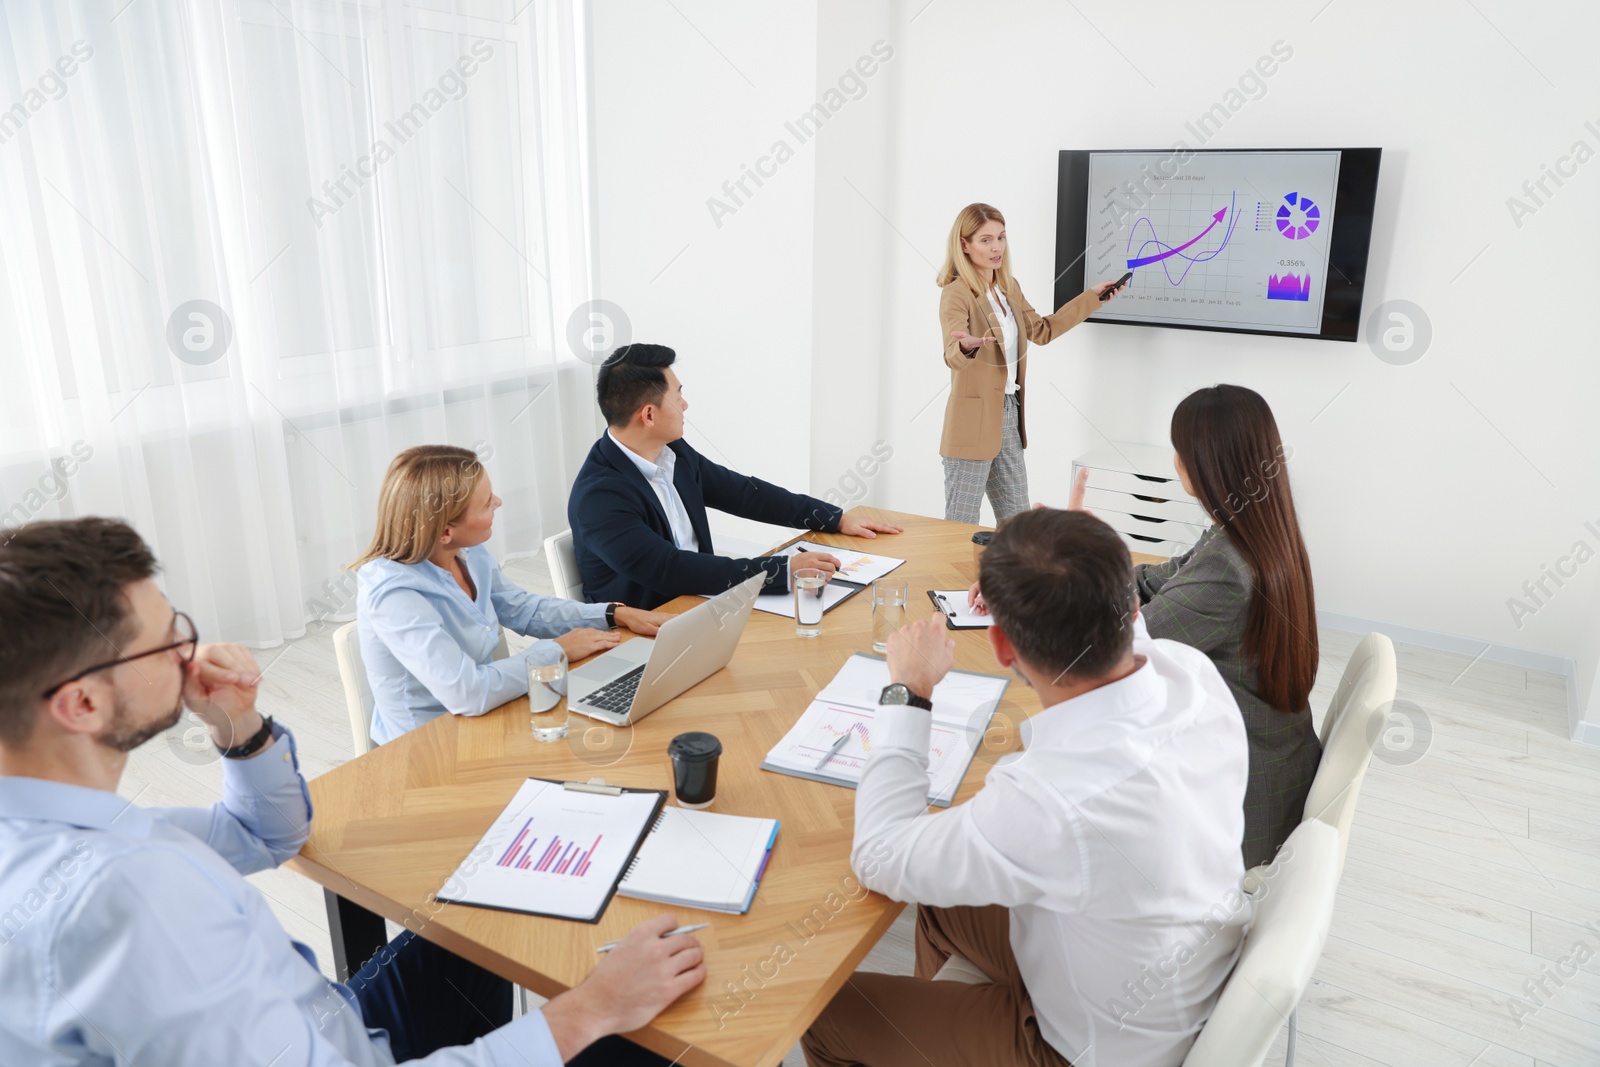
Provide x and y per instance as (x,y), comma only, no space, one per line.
(617,694)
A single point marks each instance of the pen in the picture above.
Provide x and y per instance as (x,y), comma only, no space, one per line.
(609,945)
(832,752)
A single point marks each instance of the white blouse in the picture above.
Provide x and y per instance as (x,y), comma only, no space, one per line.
(1008,335)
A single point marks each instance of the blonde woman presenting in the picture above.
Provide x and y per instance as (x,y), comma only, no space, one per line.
(987,324)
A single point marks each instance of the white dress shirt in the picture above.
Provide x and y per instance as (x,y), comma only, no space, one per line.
(1008,336)
(133,937)
(659,475)
(1113,838)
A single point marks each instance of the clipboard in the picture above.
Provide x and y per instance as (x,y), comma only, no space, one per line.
(956,617)
(557,849)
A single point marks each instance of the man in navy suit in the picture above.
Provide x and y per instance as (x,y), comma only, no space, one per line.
(638,507)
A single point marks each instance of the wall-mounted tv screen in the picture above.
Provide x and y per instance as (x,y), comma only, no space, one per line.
(1267,241)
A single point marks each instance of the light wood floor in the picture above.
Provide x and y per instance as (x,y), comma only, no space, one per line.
(1470,876)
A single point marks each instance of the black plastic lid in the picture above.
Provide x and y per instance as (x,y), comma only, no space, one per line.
(696,747)
(982,537)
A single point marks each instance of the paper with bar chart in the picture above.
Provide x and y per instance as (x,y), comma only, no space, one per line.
(1235,239)
(554,851)
(963,705)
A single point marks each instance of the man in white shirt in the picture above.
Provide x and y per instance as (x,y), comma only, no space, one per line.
(1095,879)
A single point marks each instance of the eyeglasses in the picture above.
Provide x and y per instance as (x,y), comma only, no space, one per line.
(182,625)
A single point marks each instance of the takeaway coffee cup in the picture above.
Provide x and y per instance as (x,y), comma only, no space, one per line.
(694,768)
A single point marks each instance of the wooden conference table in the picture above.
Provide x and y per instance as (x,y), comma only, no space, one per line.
(392,825)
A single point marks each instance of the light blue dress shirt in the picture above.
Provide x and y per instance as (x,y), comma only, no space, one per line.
(429,649)
(130,936)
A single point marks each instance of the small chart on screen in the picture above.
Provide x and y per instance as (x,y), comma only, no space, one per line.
(1237,239)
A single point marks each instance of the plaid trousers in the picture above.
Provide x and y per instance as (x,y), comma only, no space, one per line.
(1005,477)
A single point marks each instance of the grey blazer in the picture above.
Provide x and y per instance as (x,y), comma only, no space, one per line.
(1202,598)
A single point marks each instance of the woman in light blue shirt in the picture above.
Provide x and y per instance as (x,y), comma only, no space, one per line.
(430,600)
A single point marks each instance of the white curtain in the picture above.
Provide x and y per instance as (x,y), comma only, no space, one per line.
(383,207)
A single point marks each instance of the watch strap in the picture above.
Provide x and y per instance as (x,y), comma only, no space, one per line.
(611,616)
(255,744)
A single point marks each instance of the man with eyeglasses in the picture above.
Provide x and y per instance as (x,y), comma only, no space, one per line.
(129,935)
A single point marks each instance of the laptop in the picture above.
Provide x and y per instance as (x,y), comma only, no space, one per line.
(638,676)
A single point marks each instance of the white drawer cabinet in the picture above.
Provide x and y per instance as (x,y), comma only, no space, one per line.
(1153,529)
(1135,489)
(1144,504)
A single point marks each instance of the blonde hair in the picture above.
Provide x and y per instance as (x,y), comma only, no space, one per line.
(956,263)
(425,489)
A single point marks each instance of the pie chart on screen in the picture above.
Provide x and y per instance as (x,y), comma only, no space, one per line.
(1298,217)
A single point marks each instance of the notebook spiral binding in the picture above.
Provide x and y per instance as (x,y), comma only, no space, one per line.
(661,817)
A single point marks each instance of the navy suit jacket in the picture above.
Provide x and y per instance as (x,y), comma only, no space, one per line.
(624,542)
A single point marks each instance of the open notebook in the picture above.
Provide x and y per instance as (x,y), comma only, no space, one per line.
(701,859)
(963,705)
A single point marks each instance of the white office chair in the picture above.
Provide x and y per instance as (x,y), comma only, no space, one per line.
(358,691)
(563,560)
(1366,690)
(1292,911)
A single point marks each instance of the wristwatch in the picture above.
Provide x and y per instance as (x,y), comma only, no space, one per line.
(611,616)
(897,693)
(255,744)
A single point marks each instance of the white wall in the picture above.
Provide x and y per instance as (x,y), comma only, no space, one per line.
(686,95)
(1429,493)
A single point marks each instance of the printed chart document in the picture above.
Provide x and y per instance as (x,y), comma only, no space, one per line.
(701,859)
(963,705)
(857,570)
(555,851)
(952,604)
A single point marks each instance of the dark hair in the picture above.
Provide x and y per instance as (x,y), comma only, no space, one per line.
(62,607)
(1229,444)
(1060,586)
(630,378)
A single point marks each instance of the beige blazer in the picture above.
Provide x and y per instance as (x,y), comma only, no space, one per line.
(976,405)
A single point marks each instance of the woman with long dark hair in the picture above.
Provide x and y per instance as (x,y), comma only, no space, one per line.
(1243,596)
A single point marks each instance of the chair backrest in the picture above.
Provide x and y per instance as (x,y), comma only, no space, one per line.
(562,557)
(1292,910)
(357,691)
(1349,732)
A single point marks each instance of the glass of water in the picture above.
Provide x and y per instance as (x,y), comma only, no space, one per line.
(888,610)
(547,699)
(808,583)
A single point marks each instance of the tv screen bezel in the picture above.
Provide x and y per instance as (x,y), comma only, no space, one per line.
(1348,245)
